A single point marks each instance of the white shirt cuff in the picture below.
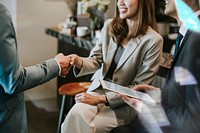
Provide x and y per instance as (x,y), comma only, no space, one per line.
(58,66)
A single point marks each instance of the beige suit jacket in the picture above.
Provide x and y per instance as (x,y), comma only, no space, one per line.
(139,62)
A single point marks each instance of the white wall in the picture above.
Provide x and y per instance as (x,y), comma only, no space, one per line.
(11,5)
(33,16)
(30,18)
(111,10)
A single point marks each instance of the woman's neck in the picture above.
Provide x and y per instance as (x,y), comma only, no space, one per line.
(124,43)
(130,23)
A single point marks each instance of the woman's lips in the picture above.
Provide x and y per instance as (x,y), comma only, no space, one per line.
(123,10)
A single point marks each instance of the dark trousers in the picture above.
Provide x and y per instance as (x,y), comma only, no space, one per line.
(136,127)
(139,128)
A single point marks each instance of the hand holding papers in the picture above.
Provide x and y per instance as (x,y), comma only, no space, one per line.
(126,91)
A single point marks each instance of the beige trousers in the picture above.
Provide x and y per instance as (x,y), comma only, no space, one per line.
(85,118)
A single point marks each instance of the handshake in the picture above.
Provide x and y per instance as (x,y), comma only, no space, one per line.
(66,62)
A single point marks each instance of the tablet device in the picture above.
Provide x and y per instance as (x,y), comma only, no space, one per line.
(126,91)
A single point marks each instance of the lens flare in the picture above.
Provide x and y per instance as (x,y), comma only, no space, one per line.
(184,77)
(187,15)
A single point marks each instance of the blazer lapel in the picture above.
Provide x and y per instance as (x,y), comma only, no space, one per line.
(130,48)
(183,43)
(181,47)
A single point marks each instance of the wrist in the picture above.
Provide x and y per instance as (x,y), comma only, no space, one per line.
(107,103)
(102,99)
(59,73)
(79,62)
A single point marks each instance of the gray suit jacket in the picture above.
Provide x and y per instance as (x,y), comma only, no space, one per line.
(139,63)
(14,79)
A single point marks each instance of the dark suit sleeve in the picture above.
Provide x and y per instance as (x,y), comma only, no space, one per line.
(186,113)
(13,77)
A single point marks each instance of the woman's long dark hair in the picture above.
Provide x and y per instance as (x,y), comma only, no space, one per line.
(145,17)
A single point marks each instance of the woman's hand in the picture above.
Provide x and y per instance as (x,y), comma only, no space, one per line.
(90,99)
(76,60)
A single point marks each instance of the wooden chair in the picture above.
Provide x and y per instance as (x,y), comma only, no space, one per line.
(70,90)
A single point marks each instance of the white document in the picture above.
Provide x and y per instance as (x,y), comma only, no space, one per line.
(126,91)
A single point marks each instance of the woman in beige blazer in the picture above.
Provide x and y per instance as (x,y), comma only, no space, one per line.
(128,52)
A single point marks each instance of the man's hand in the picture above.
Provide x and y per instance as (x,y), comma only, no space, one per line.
(64,62)
(144,87)
(136,103)
(133,102)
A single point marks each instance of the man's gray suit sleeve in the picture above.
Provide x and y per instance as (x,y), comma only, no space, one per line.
(13,77)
